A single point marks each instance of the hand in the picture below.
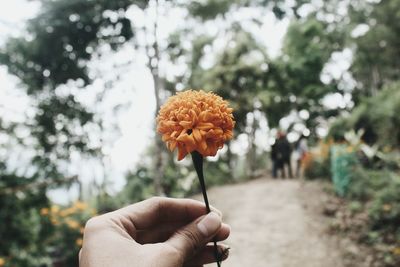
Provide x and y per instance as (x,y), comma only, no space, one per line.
(158,232)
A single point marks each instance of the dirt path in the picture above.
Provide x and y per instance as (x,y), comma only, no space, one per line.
(276,223)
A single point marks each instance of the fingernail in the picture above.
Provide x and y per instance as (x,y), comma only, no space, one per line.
(216,211)
(224,250)
(209,224)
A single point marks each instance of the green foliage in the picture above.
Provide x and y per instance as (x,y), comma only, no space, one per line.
(377,116)
(20,219)
(217,173)
(60,40)
(209,9)
(343,163)
(64,226)
(319,169)
(179,180)
(367,182)
(139,186)
(374,65)
(377,191)
(338,128)
(33,233)
(236,75)
(62,37)
(308,46)
(385,209)
(55,50)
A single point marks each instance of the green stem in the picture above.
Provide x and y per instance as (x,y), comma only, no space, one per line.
(198,165)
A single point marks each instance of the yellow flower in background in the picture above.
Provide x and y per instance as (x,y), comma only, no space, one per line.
(67,212)
(79,242)
(80,205)
(72,224)
(44,211)
(386,207)
(325,148)
(55,209)
(54,221)
(396,251)
(387,149)
(195,121)
(2,261)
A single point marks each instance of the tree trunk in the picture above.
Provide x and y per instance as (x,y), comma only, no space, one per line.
(229,159)
(251,164)
(153,64)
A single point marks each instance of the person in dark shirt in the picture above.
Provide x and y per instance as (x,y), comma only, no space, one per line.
(282,154)
(274,154)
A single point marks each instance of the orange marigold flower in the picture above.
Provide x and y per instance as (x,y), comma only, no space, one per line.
(195,121)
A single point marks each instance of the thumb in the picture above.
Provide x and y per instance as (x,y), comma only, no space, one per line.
(193,237)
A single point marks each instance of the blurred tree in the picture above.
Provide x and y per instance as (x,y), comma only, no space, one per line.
(71,32)
(377,43)
(239,74)
(19,214)
(242,72)
(55,50)
(308,46)
(212,9)
(377,116)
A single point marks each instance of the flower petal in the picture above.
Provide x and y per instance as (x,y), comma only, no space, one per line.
(186,124)
(181,153)
(197,135)
(205,126)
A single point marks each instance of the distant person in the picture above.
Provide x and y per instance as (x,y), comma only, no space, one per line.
(301,154)
(274,159)
(283,155)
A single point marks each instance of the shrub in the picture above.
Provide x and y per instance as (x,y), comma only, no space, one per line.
(317,169)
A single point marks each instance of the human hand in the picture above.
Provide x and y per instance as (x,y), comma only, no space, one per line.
(158,232)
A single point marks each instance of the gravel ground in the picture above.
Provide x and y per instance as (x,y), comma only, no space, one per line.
(276,223)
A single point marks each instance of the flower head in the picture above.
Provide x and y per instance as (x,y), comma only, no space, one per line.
(195,121)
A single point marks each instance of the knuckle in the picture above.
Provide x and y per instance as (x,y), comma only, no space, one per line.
(158,203)
(193,239)
(155,199)
(94,223)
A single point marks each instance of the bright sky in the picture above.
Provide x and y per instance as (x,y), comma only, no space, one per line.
(134,90)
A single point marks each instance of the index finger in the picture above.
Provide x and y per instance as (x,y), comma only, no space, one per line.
(156,210)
